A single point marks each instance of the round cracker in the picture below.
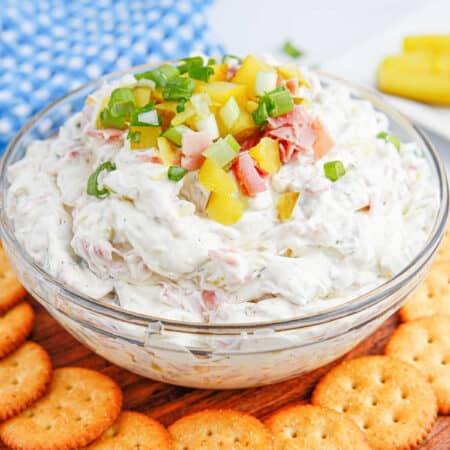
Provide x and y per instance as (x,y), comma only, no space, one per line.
(79,406)
(314,427)
(391,401)
(425,344)
(432,297)
(24,376)
(11,291)
(132,431)
(15,325)
(215,428)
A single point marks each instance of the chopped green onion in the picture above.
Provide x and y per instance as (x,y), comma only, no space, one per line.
(201,73)
(178,89)
(230,112)
(175,134)
(181,106)
(161,75)
(176,173)
(201,103)
(227,58)
(394,140)
(221,152)
(92,184)
(281,101)
(211,61)
(190,62)
(110,121)
(134,136)
(291,50)
(334,170)
(261,113)
(232,142)
(265,81)
(122,102)
(141,116)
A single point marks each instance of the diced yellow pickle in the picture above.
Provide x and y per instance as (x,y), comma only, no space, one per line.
(224,208)
(215,179)
(247,73)
(157,94)
(220,73)
(423,77)
(433,43)
(221,91)
(286,204)
(166,151)
(244,125)
(267,155)
(142,95)
(148,137)
(291,70)
(167,111)
(184,116)
(250,106)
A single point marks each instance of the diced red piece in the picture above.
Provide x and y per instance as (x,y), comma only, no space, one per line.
(247,176)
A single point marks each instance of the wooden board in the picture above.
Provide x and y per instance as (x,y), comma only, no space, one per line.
(167,403)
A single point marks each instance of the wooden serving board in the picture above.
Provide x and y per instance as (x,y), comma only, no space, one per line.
(167,403)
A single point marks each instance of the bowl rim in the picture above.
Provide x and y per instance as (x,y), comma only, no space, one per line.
(348,308)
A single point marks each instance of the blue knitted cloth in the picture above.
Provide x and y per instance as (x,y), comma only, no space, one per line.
(49,47)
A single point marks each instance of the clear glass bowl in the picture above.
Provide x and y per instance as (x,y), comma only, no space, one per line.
(216,355)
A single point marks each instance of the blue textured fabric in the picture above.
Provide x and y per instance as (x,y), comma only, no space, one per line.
(48,47)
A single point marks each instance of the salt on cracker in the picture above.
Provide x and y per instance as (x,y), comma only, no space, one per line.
(391,401)
(79,406)
(133,430)
(11,291)
(431,297)
(313,427)
(425,344)
(24,376)
(15,325)
(215,429)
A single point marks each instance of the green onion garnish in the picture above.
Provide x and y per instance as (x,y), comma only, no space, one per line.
(178,89)
(227,58)
(121,102)
(211,61)
(181,106)
(274,103)
(334,170)
(175,134)
(134,136)
(109,121)
(394,140)
(201,73)
(92,184)
(190,62)
(291,50)
(176,173)
(146,116)
(160,75)
(221,152)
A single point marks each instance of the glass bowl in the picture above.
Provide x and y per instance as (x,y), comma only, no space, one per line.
(216,356)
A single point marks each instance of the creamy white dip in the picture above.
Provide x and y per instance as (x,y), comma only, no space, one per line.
(149,248)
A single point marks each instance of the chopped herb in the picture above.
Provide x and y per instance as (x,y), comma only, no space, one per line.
(274,103)
(108,120)
(161,75)
(176,173)
(334,170)
(134,136)
(178,89)
(211,61)
(227,58)
(201,73)
(394,140)
(122,102)
(92,184)
(190,62)
(181,106)
(292,51)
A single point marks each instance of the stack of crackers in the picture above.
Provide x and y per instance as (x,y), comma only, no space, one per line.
(381,402)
